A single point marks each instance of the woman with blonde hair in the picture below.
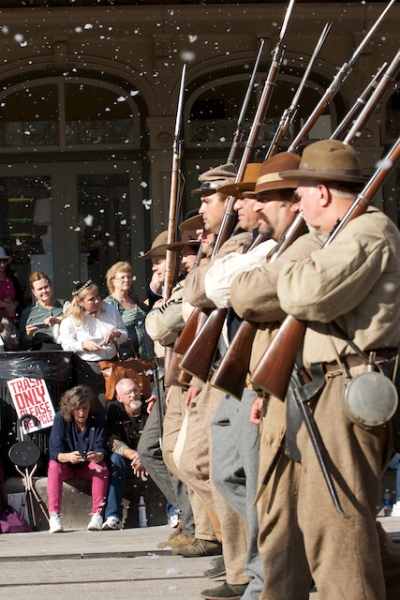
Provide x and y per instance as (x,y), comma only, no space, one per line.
(119,280)
(92,330)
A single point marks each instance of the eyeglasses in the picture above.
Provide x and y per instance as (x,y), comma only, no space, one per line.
(3,260)
(132,391)
(121,277)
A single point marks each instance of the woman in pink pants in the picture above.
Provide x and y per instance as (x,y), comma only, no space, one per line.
(77,448)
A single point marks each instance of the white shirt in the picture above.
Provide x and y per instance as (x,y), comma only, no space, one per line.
(93,328)
(222,272)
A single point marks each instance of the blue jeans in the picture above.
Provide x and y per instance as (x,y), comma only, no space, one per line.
(395,464)
(120,469)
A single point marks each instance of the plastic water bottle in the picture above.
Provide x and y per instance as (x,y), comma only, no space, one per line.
(142,513)
(387,503)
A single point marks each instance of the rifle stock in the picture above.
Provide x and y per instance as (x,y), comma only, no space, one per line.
(196,360)
(233,369)
(275,367)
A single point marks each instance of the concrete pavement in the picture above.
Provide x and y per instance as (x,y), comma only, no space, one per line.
(106,565)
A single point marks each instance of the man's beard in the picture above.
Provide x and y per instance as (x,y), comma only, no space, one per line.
(265,228)
(135,404)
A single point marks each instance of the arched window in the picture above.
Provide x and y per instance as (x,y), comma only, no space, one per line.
(68,113)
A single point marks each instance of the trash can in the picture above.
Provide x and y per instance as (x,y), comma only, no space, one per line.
(55,367)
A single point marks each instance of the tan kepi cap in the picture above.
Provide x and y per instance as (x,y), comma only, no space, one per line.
(270,178)
(328,160)
(248,183)
(158,248)
(213,179)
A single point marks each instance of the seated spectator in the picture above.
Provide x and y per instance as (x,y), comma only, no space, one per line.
(395,464)
(125,419)
(77,447)
(92,330)
(133,312)
(39,322)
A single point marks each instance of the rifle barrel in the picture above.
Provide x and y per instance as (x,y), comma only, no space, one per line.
(336,83)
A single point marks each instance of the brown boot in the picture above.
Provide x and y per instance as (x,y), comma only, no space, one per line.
(182,539)
(199,548)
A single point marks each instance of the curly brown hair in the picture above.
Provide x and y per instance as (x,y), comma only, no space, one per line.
(74,398)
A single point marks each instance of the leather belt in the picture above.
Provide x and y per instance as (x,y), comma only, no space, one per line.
(353,360)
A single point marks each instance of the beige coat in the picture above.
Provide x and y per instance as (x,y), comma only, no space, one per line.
(194,287)
(355,281)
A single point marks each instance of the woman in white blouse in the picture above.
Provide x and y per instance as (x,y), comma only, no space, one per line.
(92,330)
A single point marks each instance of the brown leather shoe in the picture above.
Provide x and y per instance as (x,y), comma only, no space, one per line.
(182,539)
(225,592)
(198,548)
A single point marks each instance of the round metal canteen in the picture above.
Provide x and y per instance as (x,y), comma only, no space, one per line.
(370,399)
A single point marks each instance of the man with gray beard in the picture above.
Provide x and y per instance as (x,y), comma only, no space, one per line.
(126,417)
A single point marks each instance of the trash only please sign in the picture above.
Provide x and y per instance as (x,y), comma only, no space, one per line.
(31,397)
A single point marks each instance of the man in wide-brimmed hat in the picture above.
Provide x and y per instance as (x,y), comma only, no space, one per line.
(163,324)
(209,286)
(232,433)
(354,282)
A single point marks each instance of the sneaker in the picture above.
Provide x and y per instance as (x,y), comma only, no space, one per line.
(396,509)
(112,523)
(95,522)
(55,524)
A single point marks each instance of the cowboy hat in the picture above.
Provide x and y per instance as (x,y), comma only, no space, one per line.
(3,255)
(328,160)
(246,185)
(158,248)
(270,178)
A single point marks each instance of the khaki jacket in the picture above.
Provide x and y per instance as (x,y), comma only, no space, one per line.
(355,281)
(194,287)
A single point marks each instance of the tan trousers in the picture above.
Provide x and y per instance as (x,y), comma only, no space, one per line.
(350,559)
(195,466)
(280,542)
(171,427)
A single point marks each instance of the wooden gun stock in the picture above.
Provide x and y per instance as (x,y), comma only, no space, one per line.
(232,372)
(273,372)
(192,327)
(200,355)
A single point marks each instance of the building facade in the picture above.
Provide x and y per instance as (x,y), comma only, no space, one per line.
(88,100)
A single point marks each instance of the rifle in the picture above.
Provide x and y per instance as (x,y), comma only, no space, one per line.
(370,106)
(290,113)
(274,370)
(233,369)
(175,197)
(190,359)
(353,113)
(336,83)
(237,137)
(198,317)
(175,202)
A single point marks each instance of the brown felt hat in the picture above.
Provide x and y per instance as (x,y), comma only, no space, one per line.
(158,248)
(246,185)
(328,160)
(189,239)
(192,223)
(270,178)
(213,179)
